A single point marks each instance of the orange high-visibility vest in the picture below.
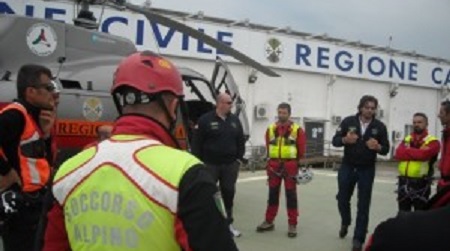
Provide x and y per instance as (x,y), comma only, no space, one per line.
(34,170)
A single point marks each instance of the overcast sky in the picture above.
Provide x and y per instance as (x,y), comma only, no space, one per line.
(420,25)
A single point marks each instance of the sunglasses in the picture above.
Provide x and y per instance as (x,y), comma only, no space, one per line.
(49,87)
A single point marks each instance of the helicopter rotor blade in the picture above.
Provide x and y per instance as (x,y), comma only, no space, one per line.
(152,16)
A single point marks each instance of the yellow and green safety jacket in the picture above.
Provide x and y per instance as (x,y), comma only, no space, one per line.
(122,195)
(283,146)
(413,168)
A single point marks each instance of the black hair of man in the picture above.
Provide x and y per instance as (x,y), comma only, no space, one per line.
(365,99)
(421,114)
(446,105)
(30,75)
(285,106)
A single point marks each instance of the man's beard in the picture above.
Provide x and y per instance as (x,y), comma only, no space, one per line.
(418,130)
(283,120)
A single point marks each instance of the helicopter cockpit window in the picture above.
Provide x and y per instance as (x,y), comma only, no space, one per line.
(224,82)
(198,97)
(70,84)
(197,90)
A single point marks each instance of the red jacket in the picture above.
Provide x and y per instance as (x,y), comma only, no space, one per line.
(301,139)
(414,152)
(444,165)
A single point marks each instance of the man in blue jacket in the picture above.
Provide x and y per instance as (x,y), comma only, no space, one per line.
(363,137)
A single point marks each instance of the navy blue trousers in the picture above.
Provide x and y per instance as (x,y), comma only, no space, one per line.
(348,177)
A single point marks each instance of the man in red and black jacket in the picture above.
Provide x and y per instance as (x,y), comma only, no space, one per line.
(444,165)
(417,153)
(285,142)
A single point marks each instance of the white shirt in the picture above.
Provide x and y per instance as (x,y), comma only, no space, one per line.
(364,126)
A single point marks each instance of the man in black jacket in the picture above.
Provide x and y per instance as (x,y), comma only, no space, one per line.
(26,155)
(219,142)
(363,137)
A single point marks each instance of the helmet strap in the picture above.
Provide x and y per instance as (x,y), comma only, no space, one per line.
(162,104)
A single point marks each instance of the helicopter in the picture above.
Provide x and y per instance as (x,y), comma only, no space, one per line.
(85,59)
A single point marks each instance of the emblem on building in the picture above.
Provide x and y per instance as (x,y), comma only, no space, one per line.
(274,50)
(42,39)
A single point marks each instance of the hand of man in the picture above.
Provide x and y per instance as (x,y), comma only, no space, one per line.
(9,179)
(47,120)
(350,138)
(372,144)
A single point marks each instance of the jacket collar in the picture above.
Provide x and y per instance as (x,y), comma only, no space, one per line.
(422,135)
(138,124)
(358,117)
(287,124)
(31,109)
(446,133)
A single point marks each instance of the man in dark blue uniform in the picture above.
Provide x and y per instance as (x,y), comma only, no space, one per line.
(220,143)
(363,137)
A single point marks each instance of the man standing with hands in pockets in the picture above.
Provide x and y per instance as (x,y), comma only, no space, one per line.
(363,137)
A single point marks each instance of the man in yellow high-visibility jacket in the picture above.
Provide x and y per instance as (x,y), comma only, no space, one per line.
(136,190)
(417,154)
(286,145)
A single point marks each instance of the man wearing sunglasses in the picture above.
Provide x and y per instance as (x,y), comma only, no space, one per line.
(25,155)
(219,142)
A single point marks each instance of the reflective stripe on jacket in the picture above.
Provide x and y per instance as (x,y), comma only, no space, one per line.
(122,194)
(34,167)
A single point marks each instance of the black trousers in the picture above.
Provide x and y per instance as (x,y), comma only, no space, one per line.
(226,175)
(21,228)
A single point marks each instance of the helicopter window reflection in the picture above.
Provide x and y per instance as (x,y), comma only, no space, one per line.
(70,84)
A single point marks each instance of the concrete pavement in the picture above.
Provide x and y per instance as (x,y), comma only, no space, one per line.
(319,219)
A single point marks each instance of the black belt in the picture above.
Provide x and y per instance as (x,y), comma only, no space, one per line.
(414,180)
